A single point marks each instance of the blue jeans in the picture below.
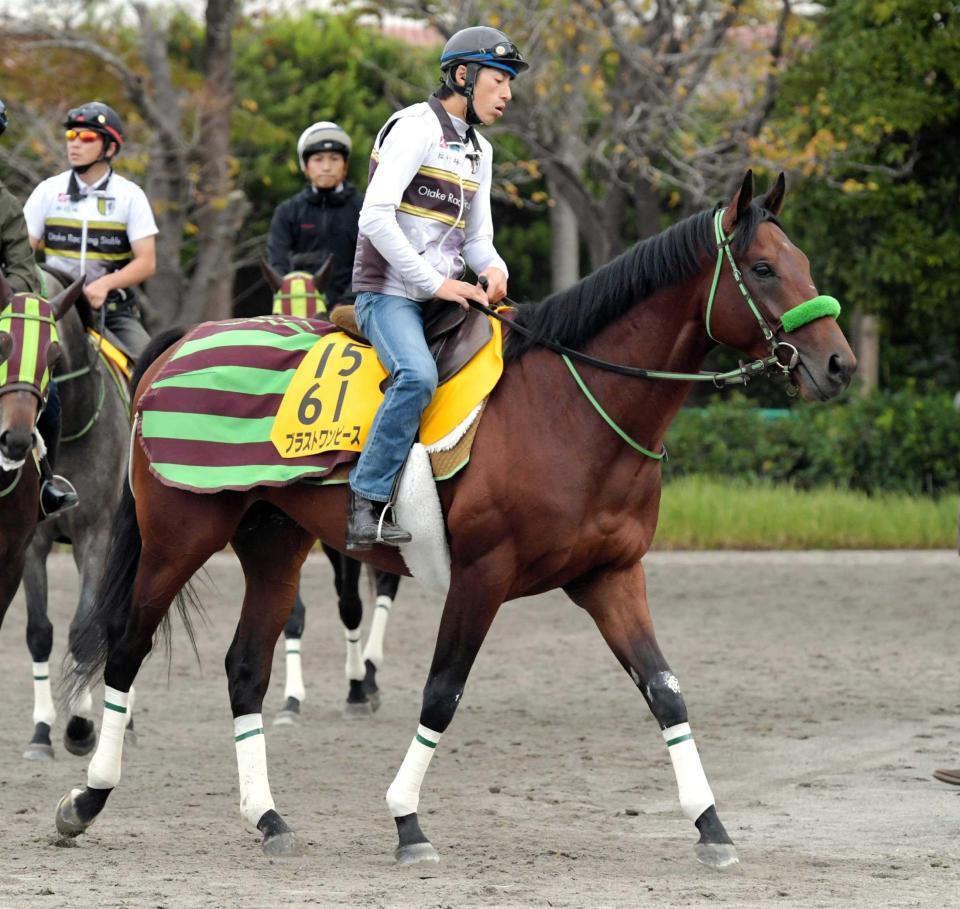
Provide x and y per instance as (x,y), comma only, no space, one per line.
(394,326)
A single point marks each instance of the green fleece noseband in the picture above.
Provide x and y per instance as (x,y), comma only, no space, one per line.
(805,313)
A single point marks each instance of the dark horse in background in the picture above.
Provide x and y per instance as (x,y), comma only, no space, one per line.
(562,491)
(32,342)
(94,443)
(301,294)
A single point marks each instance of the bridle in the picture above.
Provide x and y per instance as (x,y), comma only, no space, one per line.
(794,318)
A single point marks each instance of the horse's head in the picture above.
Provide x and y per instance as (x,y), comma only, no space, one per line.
(764,302)
(29,348)
(299,293)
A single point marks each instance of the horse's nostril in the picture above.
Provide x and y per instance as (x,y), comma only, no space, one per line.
(838,368)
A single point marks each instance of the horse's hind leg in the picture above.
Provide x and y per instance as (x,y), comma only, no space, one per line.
(387,585)
(271,567)
(294,691)
(617,602)
(161,573)
(40,644)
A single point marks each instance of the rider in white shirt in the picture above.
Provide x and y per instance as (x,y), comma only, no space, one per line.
(425,217)
(89,220)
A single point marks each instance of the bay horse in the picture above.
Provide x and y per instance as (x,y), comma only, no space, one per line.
(93,454)
(29,348)
(562,491)
(300,293)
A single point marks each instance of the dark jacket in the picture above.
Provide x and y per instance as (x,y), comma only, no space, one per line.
(312,225)
(16,254)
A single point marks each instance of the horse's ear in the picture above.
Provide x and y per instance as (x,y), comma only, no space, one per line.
(271,275)
(6,291)
(773,200)
(62,302)
(53,354)
(738,204)
(322,278)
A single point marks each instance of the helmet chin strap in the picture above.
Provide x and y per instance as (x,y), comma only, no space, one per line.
(466,89)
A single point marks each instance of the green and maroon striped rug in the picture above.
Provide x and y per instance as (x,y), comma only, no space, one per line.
(205,422)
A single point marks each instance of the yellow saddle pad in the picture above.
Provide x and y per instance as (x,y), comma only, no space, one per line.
(117,357)
(335,392)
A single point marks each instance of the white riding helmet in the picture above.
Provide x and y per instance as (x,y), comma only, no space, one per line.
(322,136)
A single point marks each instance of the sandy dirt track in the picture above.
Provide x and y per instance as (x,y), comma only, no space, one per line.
(822,689)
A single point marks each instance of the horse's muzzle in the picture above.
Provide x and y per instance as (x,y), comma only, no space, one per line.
(15,444)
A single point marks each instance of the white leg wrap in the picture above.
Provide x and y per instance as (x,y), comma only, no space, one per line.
(82,704)
(294,684)
(381,613)
(255,797)
(104,769)
(354,666)
(43,708)
(695,794)
(403,796)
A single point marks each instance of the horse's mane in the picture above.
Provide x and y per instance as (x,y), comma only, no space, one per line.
(573,316)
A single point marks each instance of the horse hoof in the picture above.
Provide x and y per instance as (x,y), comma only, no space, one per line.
(374,698)
(415,853)
(36,751)
(282,845)
(717,855)
(287,718)
(80,736)
(68,821)
(361,710)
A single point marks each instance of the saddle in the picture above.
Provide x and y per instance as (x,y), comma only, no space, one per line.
(453,334)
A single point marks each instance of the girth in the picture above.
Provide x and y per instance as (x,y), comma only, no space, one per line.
(453,333)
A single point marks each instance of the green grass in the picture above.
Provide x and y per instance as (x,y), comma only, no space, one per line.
(704,513)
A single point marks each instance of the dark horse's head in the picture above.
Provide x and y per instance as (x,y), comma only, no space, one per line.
(792,319)
(29,347)
(299,293)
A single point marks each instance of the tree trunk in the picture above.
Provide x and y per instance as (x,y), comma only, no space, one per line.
(866,346)
(222,207)
(564,241)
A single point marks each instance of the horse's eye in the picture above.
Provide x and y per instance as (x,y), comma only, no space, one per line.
(762,270)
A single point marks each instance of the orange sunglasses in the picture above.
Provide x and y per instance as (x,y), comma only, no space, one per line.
(84,135)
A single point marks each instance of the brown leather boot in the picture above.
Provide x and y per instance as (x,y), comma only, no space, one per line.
(367,524)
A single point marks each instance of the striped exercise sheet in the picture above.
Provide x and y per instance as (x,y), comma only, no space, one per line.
(204,423)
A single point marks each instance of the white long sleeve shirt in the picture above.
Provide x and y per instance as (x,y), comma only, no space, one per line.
(426,212)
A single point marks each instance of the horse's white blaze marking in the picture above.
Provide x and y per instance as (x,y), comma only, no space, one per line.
(374,648)
(255,797)
(294,687)
(44,710)
(354,665)
(403,796)
(104,769)
(694,790)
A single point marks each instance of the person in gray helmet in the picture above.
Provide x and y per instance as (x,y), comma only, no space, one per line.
(425,218)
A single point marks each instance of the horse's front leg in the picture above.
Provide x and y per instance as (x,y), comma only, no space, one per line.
(471,604)
(617,602)
(40,645)
(387,585)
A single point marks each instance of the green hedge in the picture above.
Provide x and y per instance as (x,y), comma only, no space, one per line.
(891,441)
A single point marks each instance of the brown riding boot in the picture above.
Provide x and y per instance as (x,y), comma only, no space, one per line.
(368,524)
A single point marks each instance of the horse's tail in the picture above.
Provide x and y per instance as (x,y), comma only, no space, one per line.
(107,617)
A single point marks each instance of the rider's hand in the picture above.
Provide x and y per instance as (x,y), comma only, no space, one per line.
(496,284)
(96,292)
(460,292)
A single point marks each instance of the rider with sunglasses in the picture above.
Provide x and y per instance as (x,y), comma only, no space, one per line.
(425,218)
(89,220)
